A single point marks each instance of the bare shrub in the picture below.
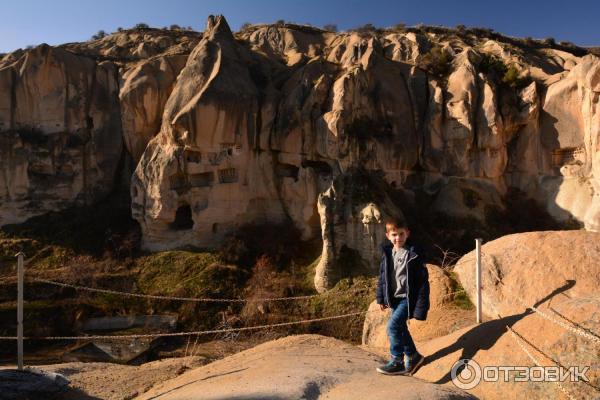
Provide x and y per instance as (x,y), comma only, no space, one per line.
(264,283)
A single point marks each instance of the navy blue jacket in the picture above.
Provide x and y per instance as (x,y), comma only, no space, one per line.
(417,286)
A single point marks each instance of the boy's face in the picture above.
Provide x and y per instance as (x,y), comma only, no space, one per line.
(397,236)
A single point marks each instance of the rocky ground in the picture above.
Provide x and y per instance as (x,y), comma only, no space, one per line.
(297,367)
(105,381)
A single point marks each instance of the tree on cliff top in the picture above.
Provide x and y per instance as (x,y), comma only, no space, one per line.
(99,35)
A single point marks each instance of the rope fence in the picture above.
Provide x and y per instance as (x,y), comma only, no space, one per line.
(515,335)
(175,334)
(175,298)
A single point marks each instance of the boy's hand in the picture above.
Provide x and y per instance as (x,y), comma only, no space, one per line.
(382,307)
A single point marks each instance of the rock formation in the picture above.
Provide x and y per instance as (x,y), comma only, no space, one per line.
(315,110)
(61,132)
(298,367)
(557,272)
(287,122)
(533,264)
(66,111)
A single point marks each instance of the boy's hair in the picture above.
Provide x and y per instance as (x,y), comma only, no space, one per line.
(394,223)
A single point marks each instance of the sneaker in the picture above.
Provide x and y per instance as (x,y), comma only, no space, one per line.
(413,363)
(392,368)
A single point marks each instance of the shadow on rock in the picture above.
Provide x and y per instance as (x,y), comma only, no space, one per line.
(37,385)
(485,335)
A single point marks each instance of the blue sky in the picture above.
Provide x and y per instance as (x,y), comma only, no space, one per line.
(29,22)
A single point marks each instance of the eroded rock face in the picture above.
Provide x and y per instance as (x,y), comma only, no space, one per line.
(571,123)
(276,122)
(65,112)
(143,95)
(60,131)
(353,213)
(278,130)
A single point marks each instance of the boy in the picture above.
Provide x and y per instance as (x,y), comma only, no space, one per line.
(404,287)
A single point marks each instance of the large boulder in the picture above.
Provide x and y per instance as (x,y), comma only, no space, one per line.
(524,268)
(297,367)
(554,272)
(491,344)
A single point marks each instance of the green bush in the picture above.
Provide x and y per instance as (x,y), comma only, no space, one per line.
(498,72)
(437,62)
(511,76)
(492,66)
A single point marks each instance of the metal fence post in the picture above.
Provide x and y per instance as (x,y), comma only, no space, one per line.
(478,277)
(20,277)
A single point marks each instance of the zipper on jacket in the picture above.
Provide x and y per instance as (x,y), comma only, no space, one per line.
(407,287)
(387,268)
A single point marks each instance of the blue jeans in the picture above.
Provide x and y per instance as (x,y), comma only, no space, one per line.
(400,340)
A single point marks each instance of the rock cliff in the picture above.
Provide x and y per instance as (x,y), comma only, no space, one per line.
(333,131)
(67,113)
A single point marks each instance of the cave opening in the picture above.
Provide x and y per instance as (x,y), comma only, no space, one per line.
(183,219)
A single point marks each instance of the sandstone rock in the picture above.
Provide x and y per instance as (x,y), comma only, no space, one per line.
(202,156)
(60,130)
(333,107)
(468,199)
(258,125)
(553,271)
(409,47)
(293,46)
(31,383)
(132,45)
(573,144)
(491,344)
(352,230)
(304,366)
(143,95)
(532,265)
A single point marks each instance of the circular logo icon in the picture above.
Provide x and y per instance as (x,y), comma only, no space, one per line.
(466,374)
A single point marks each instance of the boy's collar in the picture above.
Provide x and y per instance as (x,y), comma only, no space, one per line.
(388,246)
